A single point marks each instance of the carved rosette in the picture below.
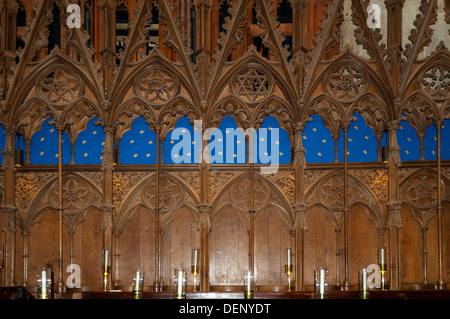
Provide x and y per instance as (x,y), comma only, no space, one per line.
(170,193)
(435,81)
(346,82)
(252,84)
(60,86)
(241,197)
(156,86)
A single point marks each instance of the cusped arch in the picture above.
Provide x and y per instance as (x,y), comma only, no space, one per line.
(328,193)
(154,60)
(228,106)
(371,74)
(373,109)
(418,102)
(45,199)
(134,199)
(224,199)
(128,111)
(54,61)
(253,60)
(280,110)
(331,112)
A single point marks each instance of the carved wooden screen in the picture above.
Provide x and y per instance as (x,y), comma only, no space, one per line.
(137,68)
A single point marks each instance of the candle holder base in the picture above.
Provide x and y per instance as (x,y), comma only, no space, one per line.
(364,295)
(178,296)
(43,296)
(321,296)
(248,295)
(137,295)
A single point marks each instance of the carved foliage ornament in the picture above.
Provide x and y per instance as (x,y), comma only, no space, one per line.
(157,86)
(436,81)
(60,87)
(252,84)
(346,82)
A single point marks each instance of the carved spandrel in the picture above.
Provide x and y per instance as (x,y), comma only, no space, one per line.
(376,180)
(28,185)
(122,184)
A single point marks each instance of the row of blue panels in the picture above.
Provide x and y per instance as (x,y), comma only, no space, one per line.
(227,144)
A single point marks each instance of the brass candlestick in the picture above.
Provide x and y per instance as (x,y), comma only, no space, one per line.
(288,265)
(362,282)
(44,283)
(106,268)
(138,284)
(249,284)
(195,267)
(383,266)
(321,283)
(179,281)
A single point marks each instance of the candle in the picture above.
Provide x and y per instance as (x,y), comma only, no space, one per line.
(382,256)
(43,281)
(364,279)
(180,283)
(195,257)
(288,256)
(106,257)
(138,278)
(322,281)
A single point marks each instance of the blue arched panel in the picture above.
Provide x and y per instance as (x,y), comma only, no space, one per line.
(89,145)
(318,142)
(2,142)
(44,146)
(138,146)
(272,144)
(361,144)
(430,143)
(445,140)
(227,143)
(408,141)
(182,144)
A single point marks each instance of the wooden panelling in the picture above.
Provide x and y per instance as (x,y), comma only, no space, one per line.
(228,248)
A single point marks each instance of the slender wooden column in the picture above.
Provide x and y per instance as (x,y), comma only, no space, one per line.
(251,210)
(157,280)
(107,225)
(440,282)
(393,221)
(26,237)
(205,227)
(204,209)
(346,285)
(299,222)
(8,207)
(60,282)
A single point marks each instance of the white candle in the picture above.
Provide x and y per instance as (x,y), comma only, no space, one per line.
(322,281)
(195,257)
(106,261)
(44,281)
(180,282)
(364,279)
(382,256)
(249,280)
(288,256)
(138,278)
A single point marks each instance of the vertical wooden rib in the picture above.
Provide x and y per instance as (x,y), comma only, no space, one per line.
(60,209)
(157,243)
(346,283)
